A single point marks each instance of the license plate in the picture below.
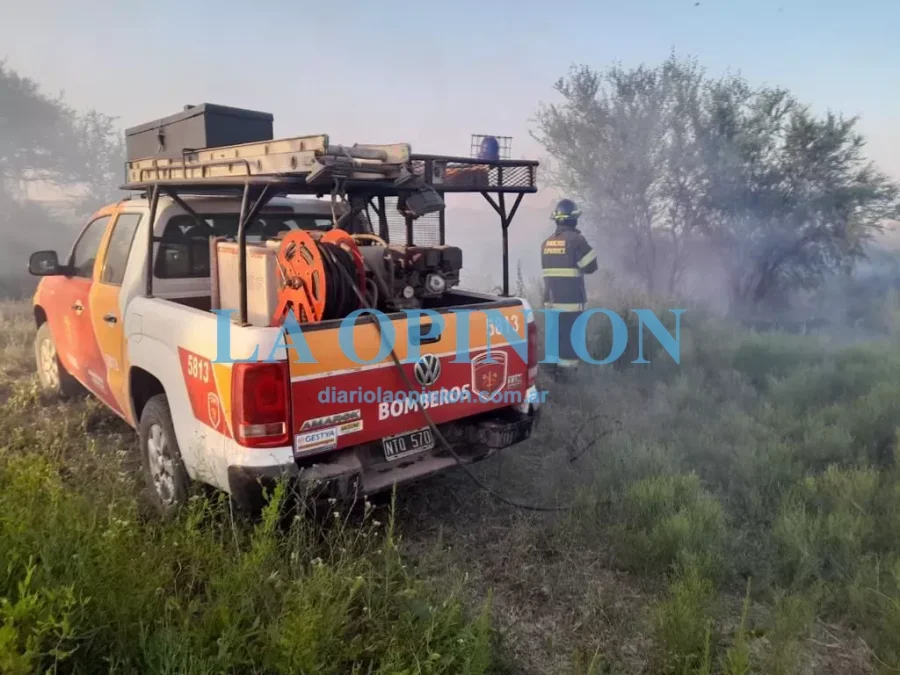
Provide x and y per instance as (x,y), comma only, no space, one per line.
(409,443)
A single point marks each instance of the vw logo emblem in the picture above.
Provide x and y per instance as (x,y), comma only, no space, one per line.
(428,370)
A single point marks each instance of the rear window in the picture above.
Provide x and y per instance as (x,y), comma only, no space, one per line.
(184,245)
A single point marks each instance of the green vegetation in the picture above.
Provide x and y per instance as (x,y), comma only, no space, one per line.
(765,457)
(737,513)
(743,517)
(89,583)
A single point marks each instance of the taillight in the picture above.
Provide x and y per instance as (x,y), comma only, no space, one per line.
(532,354)
(260,404)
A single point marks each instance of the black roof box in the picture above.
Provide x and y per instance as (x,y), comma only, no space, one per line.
(197,127)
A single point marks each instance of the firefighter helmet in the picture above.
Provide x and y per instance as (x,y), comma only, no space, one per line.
(566,212)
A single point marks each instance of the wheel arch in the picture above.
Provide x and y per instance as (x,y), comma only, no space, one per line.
(143,386)
(40,316)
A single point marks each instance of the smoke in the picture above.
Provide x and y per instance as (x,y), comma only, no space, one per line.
(28,225)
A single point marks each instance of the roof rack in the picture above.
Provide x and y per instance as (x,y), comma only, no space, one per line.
(367,174)
(298,161)
(310,164)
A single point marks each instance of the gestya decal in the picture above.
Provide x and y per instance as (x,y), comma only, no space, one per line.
(489,373)
(319,439)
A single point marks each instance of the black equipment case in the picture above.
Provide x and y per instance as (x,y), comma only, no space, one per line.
(195,128)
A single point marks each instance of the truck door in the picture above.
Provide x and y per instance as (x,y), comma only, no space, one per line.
(70,310)
(107,301)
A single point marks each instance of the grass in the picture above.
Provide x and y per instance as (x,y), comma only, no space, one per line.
(683,625)
(89,583)
(769,457)
(668,520)
(736,513)
(90,586)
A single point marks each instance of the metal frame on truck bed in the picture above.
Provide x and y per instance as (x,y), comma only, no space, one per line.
(139,326)
(364,175)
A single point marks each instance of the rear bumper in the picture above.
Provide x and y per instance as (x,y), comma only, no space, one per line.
(363,469)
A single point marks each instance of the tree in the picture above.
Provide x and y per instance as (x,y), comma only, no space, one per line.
(624,146)
(33,127)
(790,197)
(45,143)
(96,137)
(665,158)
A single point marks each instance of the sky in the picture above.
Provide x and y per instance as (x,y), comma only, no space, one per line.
(432,73)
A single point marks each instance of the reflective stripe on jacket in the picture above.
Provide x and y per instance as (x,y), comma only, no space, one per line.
(566,257)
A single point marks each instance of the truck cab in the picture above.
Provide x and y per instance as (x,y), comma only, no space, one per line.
(83,301)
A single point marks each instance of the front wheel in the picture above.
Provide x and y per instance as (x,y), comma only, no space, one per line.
(166,478)
(52,374)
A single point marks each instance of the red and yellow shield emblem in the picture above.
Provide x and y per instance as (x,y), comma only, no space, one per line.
(489,373)
(213,409)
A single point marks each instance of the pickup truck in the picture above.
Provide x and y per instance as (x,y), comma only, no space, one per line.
(152,359)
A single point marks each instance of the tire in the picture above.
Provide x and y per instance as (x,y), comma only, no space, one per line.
(167,481)
(51,373)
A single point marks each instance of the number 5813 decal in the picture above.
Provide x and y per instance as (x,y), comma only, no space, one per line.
(198,367)
(202,391)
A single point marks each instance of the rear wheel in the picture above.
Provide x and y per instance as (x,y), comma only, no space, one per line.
(52,374)
(166,478)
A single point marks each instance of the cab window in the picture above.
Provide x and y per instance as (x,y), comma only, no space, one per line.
(184,245)
(84,253)
(119,248)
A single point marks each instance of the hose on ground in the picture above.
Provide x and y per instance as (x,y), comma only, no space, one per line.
(434,429)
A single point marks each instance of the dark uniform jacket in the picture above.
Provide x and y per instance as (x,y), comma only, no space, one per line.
(566,257)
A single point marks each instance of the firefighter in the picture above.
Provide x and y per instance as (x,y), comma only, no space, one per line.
(566,257)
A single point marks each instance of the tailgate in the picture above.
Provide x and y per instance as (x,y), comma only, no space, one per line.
(337,402)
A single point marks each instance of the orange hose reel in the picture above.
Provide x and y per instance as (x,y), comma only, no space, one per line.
(346,242)
(303,277)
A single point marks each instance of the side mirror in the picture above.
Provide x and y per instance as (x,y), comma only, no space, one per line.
(44,264)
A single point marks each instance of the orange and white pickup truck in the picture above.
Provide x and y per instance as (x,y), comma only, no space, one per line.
(133,313)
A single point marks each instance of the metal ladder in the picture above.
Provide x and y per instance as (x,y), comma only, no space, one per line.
(309,156)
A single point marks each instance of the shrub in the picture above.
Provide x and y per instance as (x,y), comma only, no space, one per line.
(762,357)
(789,624)
(683,625)
(826,525)
(671,519)
(844,376)
(872,604)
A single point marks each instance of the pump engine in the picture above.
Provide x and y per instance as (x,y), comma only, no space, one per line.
(410,275)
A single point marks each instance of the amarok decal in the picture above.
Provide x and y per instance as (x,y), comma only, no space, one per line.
(345,419)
